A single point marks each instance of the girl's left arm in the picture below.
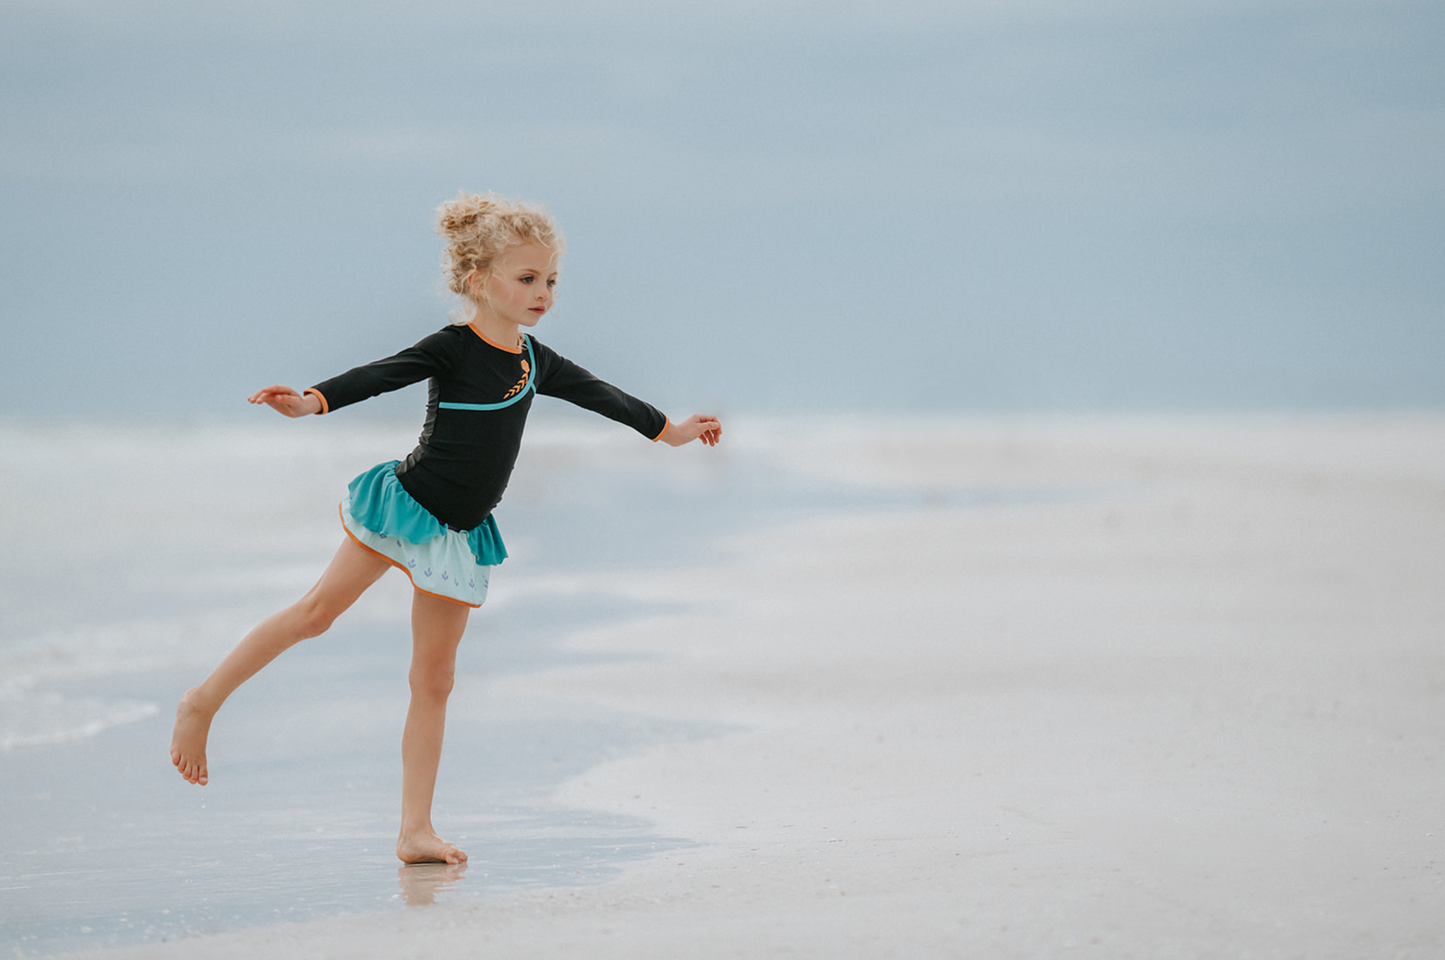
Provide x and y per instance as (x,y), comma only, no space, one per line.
(559,377)
(699,426)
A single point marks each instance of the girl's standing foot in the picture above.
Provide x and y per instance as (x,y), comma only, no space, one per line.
(427,848)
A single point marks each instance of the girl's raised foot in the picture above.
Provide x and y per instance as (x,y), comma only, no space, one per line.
(188,739)
(427,847)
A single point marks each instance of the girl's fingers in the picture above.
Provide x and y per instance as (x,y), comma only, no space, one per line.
(266,394)
(709,428)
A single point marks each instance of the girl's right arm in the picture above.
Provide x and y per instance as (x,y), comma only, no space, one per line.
(428,357)
(286,401)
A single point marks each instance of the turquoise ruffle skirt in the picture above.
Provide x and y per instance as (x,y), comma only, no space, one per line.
(442,561)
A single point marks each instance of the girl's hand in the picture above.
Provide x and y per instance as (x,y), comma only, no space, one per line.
(701,426)
(287,401)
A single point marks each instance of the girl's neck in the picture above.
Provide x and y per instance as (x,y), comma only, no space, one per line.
(503,333)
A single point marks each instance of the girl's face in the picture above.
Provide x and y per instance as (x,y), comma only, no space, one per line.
(522,284)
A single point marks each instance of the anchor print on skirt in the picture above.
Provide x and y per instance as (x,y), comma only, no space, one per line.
(443,566)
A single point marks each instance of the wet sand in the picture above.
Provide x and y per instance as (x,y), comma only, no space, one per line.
(1122,688)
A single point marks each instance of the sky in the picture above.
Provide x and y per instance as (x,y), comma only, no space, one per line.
(918,207)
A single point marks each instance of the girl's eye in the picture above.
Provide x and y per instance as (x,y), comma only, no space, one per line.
(528,279)
(551,283)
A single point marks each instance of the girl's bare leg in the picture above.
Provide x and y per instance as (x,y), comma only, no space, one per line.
(436,627)
(351,571)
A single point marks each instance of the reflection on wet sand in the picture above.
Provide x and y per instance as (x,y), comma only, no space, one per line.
(421,882)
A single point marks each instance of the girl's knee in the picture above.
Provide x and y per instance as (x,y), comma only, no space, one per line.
(314,616)
(432,683)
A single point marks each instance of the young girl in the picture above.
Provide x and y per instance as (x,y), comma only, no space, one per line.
(431,514)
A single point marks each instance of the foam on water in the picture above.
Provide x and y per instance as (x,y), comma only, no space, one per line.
(37,674)
(47,718)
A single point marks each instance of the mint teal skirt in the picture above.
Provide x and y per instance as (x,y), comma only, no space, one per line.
(440,560)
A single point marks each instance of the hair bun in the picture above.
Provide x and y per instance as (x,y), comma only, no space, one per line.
(461,215)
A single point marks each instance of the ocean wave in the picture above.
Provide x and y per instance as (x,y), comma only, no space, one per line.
(37,719)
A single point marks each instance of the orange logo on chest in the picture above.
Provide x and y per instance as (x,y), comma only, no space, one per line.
(520,384)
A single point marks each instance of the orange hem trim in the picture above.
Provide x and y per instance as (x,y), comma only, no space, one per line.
(487,339)
(666,423)
(377,553)
(325,407)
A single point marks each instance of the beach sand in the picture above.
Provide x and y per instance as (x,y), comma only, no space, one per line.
(1108,687)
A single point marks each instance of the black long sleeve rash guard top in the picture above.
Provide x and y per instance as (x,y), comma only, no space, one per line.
(464,457)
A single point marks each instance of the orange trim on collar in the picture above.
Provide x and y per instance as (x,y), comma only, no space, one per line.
(487,339)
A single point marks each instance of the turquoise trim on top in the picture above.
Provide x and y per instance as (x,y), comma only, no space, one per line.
(530,385)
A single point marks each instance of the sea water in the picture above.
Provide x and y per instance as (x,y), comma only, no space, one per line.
(138,554)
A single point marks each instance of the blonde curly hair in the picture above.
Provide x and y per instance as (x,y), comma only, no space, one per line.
(479,228)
